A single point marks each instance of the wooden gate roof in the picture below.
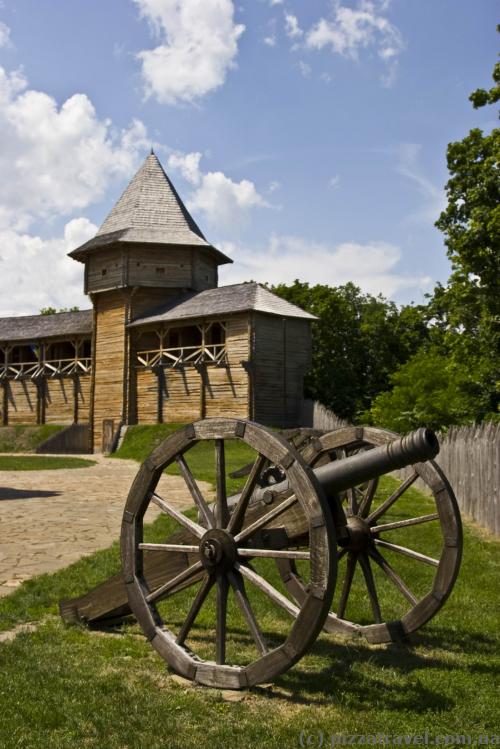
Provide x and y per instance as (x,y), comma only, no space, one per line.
(34,327)
(224,300)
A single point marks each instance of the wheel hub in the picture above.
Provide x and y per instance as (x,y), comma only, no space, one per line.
(359,534)
(217,550)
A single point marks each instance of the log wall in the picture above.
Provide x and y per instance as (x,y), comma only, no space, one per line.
(104,270)
(159,267)
(22,405)
(109,360)
(282,354)
(204,271)
(52,401)
(180,395)
(59,401)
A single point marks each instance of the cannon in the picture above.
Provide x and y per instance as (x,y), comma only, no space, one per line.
(306,514)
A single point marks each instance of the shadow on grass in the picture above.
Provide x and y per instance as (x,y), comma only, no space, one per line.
(353,672)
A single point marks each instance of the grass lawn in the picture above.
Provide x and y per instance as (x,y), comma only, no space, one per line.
(140,441)
(41,463)
(25,439)
(66,686)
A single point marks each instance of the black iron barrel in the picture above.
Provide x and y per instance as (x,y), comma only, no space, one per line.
(415,447)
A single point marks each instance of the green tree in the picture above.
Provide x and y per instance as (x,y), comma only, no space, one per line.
(358,341)
(467,309)
(456,378)
(53,310)
(430,389)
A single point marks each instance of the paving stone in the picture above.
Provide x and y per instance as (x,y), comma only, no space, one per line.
(79,512)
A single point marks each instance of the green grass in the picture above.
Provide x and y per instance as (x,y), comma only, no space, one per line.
(66,686)
(140,441)
(25,439)
(41,463)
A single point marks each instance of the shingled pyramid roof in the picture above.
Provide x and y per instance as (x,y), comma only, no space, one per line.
(149,211)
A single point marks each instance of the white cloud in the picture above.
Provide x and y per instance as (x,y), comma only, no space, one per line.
(198,45)
(273,186)
(349,30)
(372,266)
(59,159)
(188,164)
(224,203)
(37,273)
(292,27)
(305,69)
(270,40)
(4,35)
(275,2)
(433,197)
(334,182)
(56,160)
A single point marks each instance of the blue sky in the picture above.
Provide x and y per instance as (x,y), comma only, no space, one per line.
(307,138)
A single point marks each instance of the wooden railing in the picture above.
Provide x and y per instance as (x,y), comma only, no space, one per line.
(48,368)
(180,355)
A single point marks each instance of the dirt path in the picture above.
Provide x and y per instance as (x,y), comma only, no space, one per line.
(49,519)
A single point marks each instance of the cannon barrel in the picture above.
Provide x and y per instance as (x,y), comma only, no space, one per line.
(415,447)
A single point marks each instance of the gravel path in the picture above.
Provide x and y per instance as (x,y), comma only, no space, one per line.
(49,519)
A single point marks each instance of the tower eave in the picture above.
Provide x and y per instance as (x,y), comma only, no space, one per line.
(126,237)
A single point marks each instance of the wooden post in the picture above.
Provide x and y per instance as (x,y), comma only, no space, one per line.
(5,403)
(160,374)
(285,405)
(202,369)
(5,394)
(76,390)
(92,374)
(41,399)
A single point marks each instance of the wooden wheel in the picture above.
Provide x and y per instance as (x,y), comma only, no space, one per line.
(197,635)
(380,594)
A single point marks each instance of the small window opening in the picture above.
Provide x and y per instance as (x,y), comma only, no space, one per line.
(160,271)
(104,271)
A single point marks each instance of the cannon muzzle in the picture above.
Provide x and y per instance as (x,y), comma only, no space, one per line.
(339,475)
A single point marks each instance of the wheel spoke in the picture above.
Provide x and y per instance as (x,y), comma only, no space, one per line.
(198,602)
(190,525)
(392,575)
(221,510)
(346,588)
(370,584)
(195,492)
(241,597)
(270,591)
(179,548)
(174,582)
(408,552)
(366,502)
(404,523)
(260,522)
(220,631)
(393,498)
(239,513)
(274,554)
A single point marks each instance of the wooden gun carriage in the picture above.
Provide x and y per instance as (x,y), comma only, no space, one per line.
(310,510)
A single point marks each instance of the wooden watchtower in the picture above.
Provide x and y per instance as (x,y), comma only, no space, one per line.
(163,342)
(148,250)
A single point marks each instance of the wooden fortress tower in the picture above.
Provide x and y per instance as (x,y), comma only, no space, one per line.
(163,343)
